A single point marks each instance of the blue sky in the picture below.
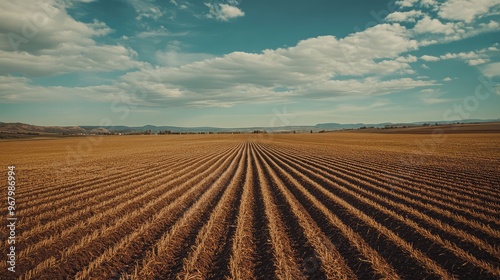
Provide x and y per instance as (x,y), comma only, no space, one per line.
(240,63)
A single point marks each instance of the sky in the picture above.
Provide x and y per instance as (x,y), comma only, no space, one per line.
(242,63)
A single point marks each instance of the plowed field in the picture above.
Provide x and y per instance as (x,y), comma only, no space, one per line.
(311,206)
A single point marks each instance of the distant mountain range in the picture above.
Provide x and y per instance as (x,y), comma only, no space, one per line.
(7,129)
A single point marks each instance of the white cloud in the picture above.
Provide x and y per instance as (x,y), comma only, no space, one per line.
(223,12)
(491,69)
(27,27)
(146,9)
(12,86)
(361,87)
(321,67)
(52,42)
(408,58)
(430,58)
(174,56)
(406,3)
(159,32)
(472,58)
(153,93)
(430,31)
(383,40)
(447,79)
(453,31)
(315,68)
(312,68)
(358,108)
(428,25)
(18,89)
(409,16)
(477,61)
(492,25)
(68,58)
(432,96)
(229,11)
(466,10)
(311,59)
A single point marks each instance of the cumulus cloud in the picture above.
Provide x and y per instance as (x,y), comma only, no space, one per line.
(466,10)
(223,12)
(430,58)
(491,25)
(375,50)
(364,63)
(472,58)
(320,67)
(428,25)
(313,68)
(477,61)
(39,38)
(430,31)
(153,93)
(409,16)
(408,58)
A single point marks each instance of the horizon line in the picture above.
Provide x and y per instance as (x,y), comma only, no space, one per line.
(259,126)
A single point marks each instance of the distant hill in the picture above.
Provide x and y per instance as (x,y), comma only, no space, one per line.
(22,128)
(16,130)
(338,126)
(476,127)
